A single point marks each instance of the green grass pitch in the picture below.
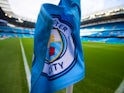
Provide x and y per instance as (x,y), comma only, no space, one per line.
(12,74)
(104,67)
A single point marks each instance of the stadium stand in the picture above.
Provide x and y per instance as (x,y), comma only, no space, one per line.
(15,32)
(107,26)
(3,22)
(102,28)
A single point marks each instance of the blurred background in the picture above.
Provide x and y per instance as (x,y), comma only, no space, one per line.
(101,34)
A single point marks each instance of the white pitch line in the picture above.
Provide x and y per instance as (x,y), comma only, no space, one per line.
(27,70)
(120,89)
(2,38)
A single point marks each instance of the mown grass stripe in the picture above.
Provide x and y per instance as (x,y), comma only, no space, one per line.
(27,70)
(104,66)
(28,48)
(12,74)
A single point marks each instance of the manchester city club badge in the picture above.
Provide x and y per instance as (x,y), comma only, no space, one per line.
(60,56)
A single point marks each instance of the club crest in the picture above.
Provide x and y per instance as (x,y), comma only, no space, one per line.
(60,56)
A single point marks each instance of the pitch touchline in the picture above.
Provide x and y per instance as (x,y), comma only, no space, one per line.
(2,38)
(120,89)
(27,70)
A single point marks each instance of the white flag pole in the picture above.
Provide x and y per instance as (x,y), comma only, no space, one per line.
(69,89)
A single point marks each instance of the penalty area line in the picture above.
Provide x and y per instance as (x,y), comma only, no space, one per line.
(27,70)
(120,89)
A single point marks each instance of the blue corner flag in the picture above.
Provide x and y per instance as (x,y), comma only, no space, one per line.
(58,59)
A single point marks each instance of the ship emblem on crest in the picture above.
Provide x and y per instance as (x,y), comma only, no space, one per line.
(55,46)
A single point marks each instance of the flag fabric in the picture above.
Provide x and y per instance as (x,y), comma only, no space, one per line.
(58,58)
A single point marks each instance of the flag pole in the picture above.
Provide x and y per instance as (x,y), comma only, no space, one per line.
(69,89)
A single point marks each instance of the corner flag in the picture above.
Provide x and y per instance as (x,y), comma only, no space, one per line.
(58,59)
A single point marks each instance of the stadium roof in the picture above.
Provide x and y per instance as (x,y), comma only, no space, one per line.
(4,4)
(105,13)
(6,8)
(14,20)
(106,16)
